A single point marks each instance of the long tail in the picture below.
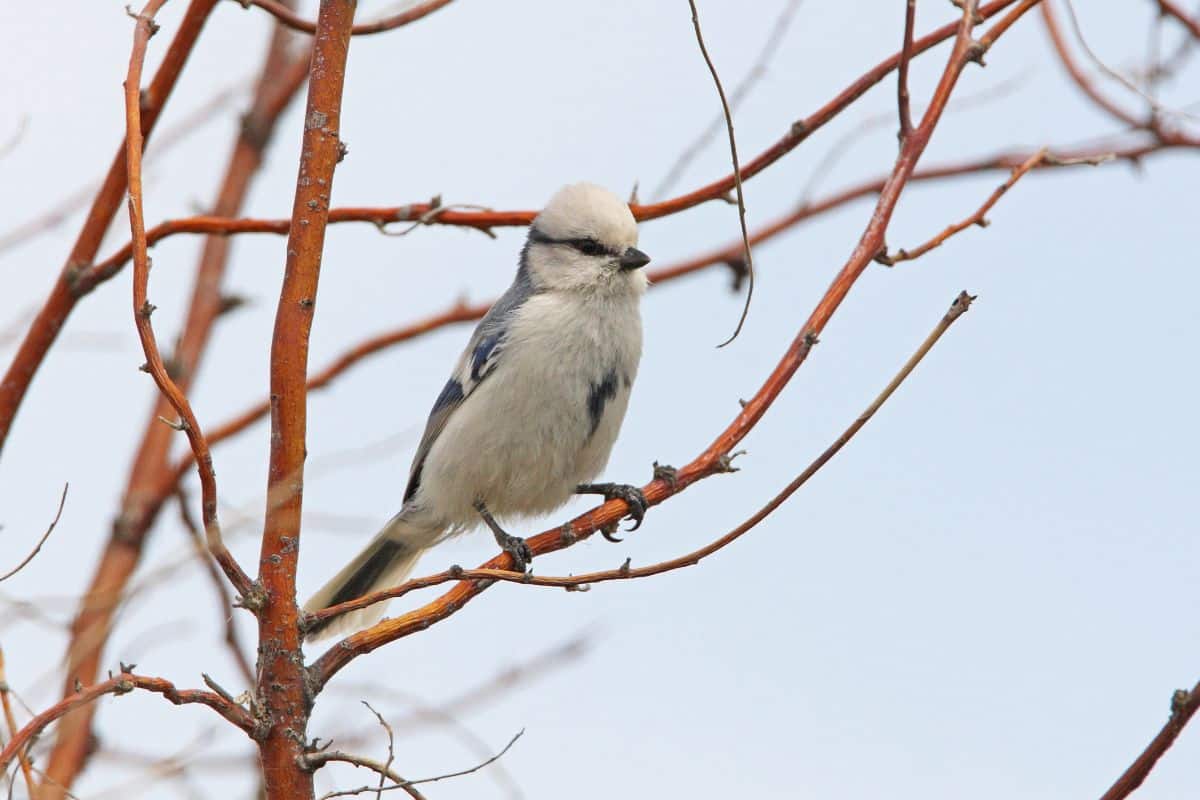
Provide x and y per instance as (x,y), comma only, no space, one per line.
(384,562)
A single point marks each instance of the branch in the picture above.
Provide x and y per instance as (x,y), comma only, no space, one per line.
(1077,75)
(979,217)
(280,77)
(725,255)
(290,19)
(716,458)
(283,686)
(774,39)
(122,683)
(62,501)
(625,571)
(902,99)
(484,220)
(224,601)
(11,721)
(748,260)
(50,319)
(315,761)
(320,758)
(142,308)
(1173,10)
(1184,705)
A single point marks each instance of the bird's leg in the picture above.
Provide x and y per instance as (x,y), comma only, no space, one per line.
(513,545)
(632,496)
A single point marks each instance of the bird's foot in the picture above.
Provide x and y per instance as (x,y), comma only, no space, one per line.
(632,495)
(515,546)
(517,549)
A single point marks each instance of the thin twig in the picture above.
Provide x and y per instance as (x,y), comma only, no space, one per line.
(739,93)
(902,98)
(224,601)
(62,501)
(1109,71)
(11,721)
(737,172)
(290,19)
(391,750)
(320,758)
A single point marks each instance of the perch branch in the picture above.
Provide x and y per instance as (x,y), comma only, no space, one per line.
(626,572)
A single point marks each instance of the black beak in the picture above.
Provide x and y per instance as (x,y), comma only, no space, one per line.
(634,259)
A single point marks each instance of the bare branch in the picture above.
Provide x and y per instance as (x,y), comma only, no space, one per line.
(320,758)
(737,174)
(142,308)
(980,216)
(119,684)
(625,572)
(62,501)
(739,93)
(11,721)
(1184,705)
(290,19)
(902,99)
(224,601)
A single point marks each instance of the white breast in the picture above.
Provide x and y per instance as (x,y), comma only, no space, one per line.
(526,437)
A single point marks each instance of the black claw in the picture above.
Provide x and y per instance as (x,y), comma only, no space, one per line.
(518,550)
(609,533)
(632,495)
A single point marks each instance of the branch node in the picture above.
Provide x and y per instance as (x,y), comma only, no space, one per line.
(254,600)
(147,309)
(667,474)
(179,425)
(566,534)
(1179,699)
(725,462)
(218,688)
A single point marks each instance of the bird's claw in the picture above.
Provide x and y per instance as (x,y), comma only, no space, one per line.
(518,550)
(634,498)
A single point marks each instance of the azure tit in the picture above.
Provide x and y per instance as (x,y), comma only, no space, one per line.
(533,406)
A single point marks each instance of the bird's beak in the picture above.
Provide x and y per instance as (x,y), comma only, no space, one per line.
(634,259)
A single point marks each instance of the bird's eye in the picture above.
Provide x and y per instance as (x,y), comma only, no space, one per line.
(589,247)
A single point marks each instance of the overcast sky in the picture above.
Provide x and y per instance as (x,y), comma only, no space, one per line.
(991,593)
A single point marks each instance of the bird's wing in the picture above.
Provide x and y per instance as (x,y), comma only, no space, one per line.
(482,355)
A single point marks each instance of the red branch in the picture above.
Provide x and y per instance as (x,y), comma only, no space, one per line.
(278,83)
(1183,707)
(716,458)
(44,329)
(432,214)
(1173,10)
(283,687)
(626,572)
(120,684)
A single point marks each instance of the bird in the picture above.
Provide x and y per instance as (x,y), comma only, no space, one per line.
(533,406)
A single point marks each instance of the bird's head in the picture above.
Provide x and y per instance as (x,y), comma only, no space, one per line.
(585,240)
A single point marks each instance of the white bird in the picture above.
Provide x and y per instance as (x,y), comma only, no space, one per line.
(533,407)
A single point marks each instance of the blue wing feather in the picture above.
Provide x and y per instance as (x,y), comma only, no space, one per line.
(483,354)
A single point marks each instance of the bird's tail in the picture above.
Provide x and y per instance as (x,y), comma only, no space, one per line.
(384,562)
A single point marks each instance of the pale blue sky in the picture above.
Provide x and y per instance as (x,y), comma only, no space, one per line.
(990,593)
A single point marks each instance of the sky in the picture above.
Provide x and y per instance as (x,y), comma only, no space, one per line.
(989,593)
